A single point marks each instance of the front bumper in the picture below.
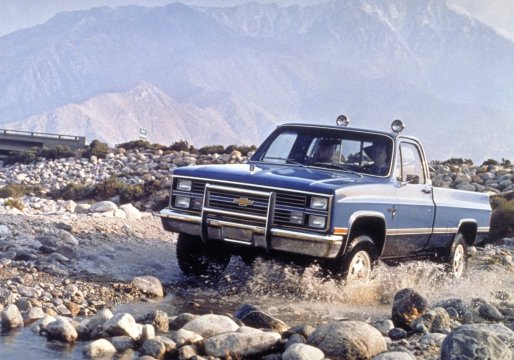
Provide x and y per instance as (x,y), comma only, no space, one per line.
(323,246)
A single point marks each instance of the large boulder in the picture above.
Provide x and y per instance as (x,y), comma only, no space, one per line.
(408,305)
(122,324)
(132,212)
(211,324)
(242,343)
(348,340)
(256,318)
(61,330)
(302,352)
(11,317)
(100,348)
(148,285)
(103,207)
(470,343)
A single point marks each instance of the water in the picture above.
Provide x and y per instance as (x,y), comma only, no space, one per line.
(292,294)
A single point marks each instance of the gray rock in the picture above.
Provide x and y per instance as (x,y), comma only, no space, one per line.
(100,348)
(148,285)
(153,348)
(131,212)
(435,339)
(466,343)
(254,317)
(210,325)
(397,334)
(68,238)
(5,232)
(303,352)
(185,337)
(41,324)
(33,315)
(103,207)
(384,326)
(180,320)
(122,324)
(347,340)
(159,319)
(122,343)
(61,330)
(11,317)
(434,321)
(490,312)
(395,355)
(408,305)
(242,343)
(147,332)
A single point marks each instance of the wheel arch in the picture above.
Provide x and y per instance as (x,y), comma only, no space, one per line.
(370,223)
(469,229)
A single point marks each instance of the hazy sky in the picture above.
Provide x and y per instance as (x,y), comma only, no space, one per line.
(17,14)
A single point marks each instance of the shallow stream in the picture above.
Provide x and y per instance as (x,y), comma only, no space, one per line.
(294,295)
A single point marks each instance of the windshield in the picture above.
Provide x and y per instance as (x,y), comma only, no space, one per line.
(348,150)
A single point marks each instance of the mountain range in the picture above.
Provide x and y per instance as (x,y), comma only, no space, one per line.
(229,75)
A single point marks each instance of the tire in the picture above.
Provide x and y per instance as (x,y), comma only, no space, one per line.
(358,263)
(456,258)
(198,259)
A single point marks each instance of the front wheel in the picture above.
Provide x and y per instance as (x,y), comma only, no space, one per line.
(358,263)
(456,259)
(195,258)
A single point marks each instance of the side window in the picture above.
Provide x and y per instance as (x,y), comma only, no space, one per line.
(410,165)
(280,149)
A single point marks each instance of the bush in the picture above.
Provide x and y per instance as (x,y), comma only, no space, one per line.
(98,149)
(490,162)
(502,221)
(21,157)
(58,152)
(73,192)
(182,145)
(18,190)
(458,161)
(113,186)
(141,145)
(243,149)
(211,149)
(15,203)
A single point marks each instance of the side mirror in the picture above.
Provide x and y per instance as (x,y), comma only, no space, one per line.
(413,179)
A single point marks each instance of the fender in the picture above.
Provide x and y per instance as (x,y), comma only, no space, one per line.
(351,229)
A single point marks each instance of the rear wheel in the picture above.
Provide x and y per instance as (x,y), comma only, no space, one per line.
(456,258)
(195,258)
(358,263)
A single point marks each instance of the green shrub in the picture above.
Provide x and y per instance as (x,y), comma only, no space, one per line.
(243,149)
(502,221)
(458,161)
(182,145)
(57,152)
(98,149)
(114,186)
(73,191)
(490,162)
(15,203)
(21,157)
(18,190)
(212,149)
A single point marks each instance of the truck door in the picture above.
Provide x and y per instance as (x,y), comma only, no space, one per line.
(410,220)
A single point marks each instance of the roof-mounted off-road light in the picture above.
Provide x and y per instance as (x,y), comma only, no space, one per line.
(397,126)
(342,120)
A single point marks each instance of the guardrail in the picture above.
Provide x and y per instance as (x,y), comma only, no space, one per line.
(19,140)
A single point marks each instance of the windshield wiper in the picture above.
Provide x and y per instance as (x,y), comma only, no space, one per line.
(287,160)
(339,166)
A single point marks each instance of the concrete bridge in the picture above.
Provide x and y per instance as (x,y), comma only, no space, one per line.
(16,140)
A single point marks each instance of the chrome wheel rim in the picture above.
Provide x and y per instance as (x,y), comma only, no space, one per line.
(459,260)
(360,267)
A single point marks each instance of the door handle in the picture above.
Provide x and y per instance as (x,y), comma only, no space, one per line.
(426,190)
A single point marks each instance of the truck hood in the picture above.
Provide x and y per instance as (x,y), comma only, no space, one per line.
(279,176)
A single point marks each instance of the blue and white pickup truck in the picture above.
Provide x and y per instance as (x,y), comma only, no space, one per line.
(342,196)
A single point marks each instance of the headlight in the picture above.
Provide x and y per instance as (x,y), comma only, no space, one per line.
(319,203)
(317,221)
(296,217)
(184,185)
(182,202)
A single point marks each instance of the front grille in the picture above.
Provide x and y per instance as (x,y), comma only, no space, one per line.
(229,201)
(240,203)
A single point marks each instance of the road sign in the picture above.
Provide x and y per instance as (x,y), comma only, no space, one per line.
(143,133)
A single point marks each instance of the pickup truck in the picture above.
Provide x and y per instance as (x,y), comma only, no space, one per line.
(344,197)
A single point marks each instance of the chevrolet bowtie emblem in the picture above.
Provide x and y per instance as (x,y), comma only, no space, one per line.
(243,201)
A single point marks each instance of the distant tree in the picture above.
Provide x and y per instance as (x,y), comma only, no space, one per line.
(458,161)
(182,145)
(490,162)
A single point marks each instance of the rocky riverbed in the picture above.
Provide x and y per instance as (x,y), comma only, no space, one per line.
(62,273)
(66,267)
